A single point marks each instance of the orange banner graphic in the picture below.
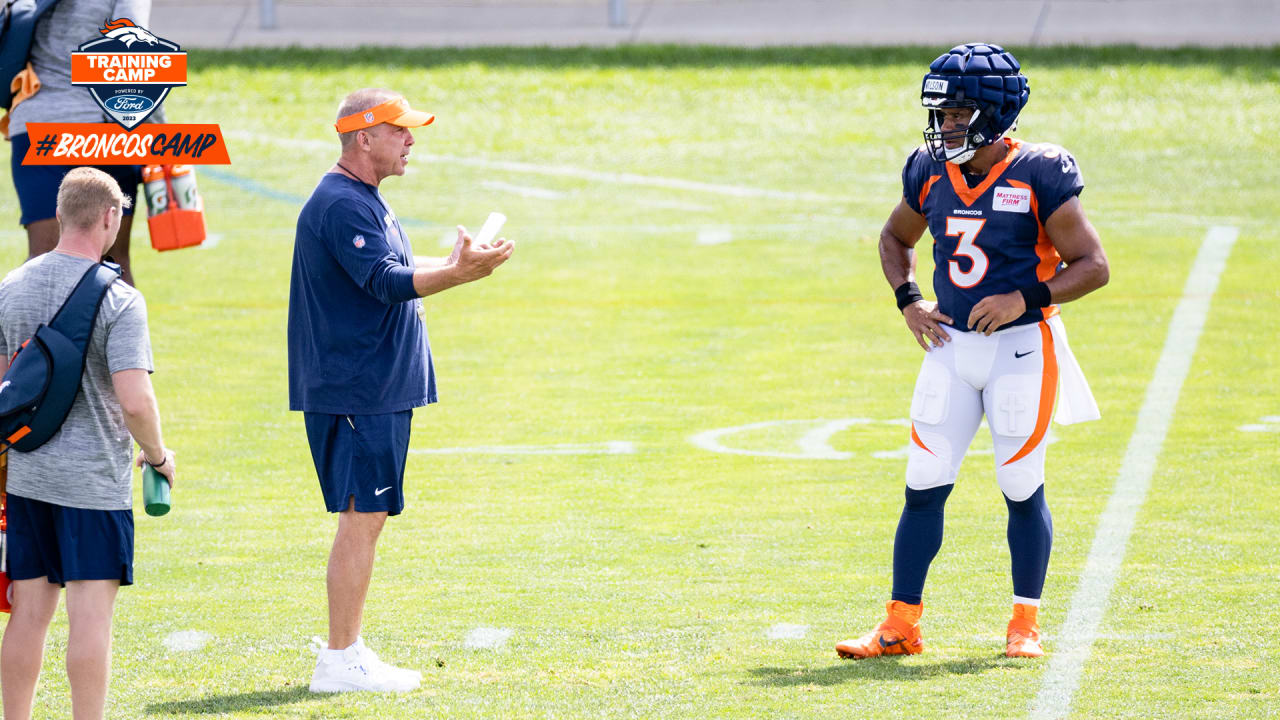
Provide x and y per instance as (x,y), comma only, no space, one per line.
(109,144)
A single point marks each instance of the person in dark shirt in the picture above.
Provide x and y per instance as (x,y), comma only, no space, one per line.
(1011,240)
(359,358)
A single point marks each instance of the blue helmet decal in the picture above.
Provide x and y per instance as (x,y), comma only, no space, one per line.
(982,77)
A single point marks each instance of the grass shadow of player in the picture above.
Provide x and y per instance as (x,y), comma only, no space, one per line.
(885,668)
(220,704)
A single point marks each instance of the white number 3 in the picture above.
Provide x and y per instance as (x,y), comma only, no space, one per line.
(967,230)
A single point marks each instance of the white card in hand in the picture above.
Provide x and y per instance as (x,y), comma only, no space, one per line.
(490,229)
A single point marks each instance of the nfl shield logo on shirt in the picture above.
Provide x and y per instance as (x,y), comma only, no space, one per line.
(358,241)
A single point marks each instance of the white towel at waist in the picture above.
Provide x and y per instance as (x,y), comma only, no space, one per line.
(1075,400)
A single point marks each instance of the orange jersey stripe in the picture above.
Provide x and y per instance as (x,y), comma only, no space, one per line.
(969,195)
(1048,393)
(924,192)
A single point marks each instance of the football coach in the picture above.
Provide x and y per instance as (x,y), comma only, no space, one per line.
(359,359)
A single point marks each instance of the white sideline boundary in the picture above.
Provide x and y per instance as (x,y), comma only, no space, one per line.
(740,191)
(1093,591)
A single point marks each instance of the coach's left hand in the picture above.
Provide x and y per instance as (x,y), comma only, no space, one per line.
(994,311)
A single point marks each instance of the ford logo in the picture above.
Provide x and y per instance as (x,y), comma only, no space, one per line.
(128,103)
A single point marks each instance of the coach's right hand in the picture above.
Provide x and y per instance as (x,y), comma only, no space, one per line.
(923,320)
(472,263)
(166,468)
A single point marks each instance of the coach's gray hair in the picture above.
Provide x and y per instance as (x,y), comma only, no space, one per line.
(359,101)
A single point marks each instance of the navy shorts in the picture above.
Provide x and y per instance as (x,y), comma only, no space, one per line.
(361,457)
(37,185)
(65,544)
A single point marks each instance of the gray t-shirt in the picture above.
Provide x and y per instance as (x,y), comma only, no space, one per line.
(88,462)
(60,30)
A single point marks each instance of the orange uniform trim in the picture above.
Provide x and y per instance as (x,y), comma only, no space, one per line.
(21,432)
(1048,254)
(916,439)
(1048,394)
(970,195)
(924,191)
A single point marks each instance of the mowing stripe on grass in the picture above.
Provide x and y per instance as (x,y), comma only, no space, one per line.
(1075,637)
(561,171)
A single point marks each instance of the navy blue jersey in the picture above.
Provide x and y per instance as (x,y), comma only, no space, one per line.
(356,343)
(990,239)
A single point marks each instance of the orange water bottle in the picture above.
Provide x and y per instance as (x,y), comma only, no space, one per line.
(176,216)
(183,179)
(155,189)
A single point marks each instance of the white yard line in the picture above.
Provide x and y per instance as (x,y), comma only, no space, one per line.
(613,447)
(1076,636)
(523,190)
(555,170)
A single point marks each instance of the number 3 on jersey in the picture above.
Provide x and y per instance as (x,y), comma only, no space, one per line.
(967,230)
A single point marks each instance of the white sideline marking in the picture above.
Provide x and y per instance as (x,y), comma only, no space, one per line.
(211,241)
(1266,423)
(715,236)
(558,171)
(186,640)
(613,447)
(487,638)
(787,631)
(1093,592)
(524,190)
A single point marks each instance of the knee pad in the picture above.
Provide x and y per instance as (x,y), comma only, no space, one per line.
(1020,480)
(932,467)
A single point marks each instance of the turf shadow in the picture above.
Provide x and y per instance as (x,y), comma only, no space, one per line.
(219,704)
(880,668)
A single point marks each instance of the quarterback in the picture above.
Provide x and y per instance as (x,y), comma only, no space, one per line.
(1010,244)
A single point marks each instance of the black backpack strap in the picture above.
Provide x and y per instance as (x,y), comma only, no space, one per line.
(78,313)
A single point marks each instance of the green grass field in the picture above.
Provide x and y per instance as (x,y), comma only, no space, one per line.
(646,584)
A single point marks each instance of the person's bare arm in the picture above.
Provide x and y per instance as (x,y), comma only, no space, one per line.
(465,264)
(898,239)
(142,417)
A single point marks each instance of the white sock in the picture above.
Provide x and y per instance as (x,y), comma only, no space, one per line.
(1034,602)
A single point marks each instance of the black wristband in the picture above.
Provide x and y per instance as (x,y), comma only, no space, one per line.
(1036,296)
(164,459)
(908,292)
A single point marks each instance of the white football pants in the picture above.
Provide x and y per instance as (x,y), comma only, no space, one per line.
(1010,376)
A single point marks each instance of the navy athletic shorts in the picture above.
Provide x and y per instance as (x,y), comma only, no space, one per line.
(361,457)
(37,185)
(65,544)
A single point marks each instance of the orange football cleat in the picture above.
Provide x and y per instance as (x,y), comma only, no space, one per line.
(1023,635)
(899,634)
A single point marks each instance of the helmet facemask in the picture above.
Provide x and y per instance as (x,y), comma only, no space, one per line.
(970,134)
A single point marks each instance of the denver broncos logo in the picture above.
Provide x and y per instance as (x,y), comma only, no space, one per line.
(125,31)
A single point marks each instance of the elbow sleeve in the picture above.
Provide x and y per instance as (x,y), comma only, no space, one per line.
(392,284)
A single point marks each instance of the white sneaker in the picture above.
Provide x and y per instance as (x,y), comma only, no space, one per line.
(372,658)
(351,669)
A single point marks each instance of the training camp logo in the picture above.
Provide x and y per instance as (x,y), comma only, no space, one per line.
(128,71)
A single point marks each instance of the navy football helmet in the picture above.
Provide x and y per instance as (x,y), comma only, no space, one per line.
(978,76)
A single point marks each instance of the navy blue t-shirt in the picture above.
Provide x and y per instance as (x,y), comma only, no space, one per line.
(990,239)
(356,343)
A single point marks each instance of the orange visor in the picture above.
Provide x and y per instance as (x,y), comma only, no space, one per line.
(395,111)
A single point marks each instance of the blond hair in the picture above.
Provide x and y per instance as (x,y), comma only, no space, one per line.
(85,194)
(359,101)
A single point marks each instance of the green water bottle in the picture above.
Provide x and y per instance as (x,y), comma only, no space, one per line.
(155,491)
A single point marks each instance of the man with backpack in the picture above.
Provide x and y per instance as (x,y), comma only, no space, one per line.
(70,522)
